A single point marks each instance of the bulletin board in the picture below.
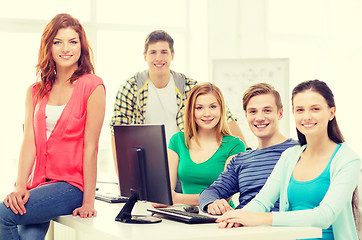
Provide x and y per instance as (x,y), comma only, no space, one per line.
(234,76)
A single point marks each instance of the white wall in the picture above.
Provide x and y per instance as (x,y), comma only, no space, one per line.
(325,44)
(237,29)
(322,39)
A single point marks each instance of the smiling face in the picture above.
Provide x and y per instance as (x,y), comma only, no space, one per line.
(159,57)
(66,49)
(312,113)
(263,115)
(207,111)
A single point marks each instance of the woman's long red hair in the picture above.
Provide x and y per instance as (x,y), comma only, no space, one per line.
(46,68)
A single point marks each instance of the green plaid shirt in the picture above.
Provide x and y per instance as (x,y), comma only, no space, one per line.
(131,99)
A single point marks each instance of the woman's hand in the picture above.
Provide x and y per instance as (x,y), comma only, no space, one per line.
(16,200)
(85,211)
(237,218)
(158,205)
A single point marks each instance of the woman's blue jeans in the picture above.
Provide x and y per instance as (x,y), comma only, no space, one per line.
(45,203)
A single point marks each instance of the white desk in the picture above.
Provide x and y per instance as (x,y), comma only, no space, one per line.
(105,227)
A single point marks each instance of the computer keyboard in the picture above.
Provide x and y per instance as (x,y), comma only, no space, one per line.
(183,216)
(110,198)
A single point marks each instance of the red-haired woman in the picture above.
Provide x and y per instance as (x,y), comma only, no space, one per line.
(63,119)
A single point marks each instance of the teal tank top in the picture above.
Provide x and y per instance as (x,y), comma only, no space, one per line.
(308,194)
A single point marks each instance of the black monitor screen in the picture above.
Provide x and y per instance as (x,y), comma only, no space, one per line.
(142,163)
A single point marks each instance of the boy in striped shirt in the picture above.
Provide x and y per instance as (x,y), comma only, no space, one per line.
(248,171)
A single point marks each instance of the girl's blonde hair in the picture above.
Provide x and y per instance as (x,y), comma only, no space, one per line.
(222,128)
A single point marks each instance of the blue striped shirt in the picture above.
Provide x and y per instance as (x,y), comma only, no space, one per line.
(246,173)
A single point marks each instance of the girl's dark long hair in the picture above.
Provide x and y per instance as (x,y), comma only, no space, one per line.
(334,133)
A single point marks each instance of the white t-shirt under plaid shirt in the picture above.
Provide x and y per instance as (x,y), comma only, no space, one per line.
(162,107)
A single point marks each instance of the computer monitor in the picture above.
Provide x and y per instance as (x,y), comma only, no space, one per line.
(142,168)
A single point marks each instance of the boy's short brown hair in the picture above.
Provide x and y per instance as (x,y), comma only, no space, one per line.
(156,36)
(259,89)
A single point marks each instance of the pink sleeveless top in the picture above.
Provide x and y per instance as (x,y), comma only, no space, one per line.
(60,158)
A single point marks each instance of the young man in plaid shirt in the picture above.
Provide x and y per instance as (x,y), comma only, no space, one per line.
(158,94)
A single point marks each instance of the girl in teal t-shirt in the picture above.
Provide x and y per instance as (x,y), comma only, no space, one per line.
(199,154)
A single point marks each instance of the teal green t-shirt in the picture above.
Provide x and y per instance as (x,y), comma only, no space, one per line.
(196,177)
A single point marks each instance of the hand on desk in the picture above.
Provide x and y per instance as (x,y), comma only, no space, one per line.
(219,207)
(85,211)
(158,205)
(238,218)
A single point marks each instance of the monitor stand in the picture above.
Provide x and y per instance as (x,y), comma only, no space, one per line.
(125,215)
